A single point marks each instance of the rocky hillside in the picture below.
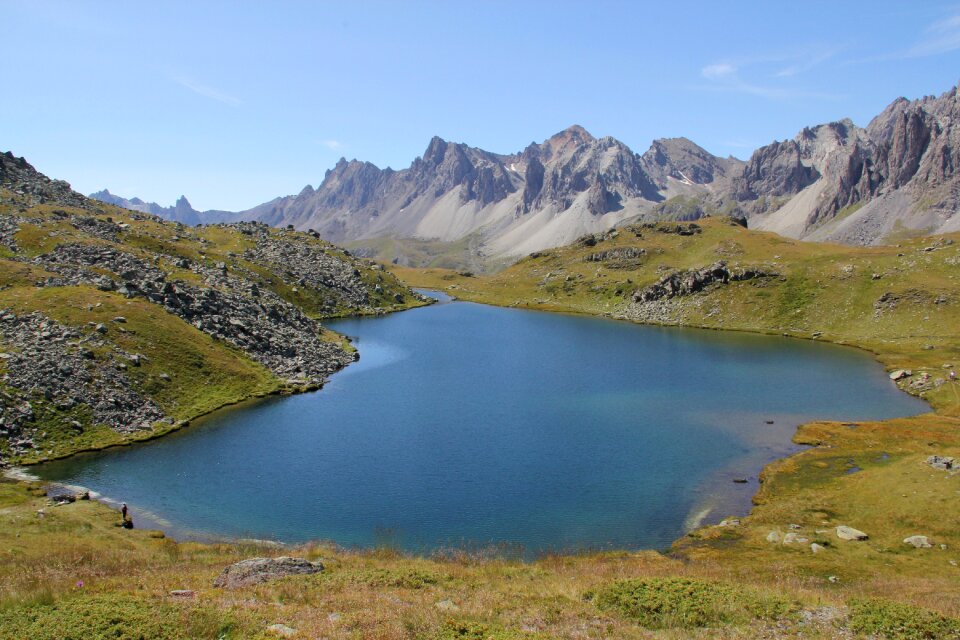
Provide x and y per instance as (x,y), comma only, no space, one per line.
(841,183)
(118,325)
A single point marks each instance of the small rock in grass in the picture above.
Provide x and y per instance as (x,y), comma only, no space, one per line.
(774,536)
(918,542)
(849,533)
(816,548)
(900,374)
(183,593)
(281,630)
(793,537)
(447,605)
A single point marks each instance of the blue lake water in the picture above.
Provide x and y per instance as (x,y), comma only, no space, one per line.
(470,425)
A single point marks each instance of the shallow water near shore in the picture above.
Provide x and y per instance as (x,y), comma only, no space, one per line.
(466,425)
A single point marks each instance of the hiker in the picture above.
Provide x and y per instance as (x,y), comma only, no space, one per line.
(123,511)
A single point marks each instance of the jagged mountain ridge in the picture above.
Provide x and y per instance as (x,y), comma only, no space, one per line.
(842,183)
(545,195)
(181,211)
(832,182)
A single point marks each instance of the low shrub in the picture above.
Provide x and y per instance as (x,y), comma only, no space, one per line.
(658,603)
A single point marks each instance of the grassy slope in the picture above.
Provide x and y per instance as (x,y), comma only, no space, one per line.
(127,575)
(205,373)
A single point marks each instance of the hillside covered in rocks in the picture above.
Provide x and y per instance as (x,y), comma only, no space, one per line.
(117,325)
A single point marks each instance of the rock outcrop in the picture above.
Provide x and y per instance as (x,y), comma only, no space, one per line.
(681,283)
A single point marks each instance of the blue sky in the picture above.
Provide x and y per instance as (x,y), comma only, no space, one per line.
(234,103)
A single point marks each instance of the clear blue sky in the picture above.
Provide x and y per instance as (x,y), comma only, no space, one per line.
(234,103)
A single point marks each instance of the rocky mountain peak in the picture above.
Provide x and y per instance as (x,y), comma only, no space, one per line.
(567,141)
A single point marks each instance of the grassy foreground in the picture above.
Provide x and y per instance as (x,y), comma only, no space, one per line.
(71,572)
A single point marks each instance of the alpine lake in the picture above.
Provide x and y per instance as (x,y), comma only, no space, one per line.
(472,427)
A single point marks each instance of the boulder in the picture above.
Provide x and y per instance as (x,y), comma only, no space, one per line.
(816,548)
(900,374)
(918,542)
(849,533)
(257,570)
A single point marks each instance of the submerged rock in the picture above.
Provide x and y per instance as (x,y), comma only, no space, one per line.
(257,570)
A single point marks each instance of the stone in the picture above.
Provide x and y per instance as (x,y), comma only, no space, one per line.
(816,548)
(918,542)
(447,605)
(183,593)
(849,533)
(258,570)
(833,579)
(774,537)
(794,538)
(281,630)
(730,522)
(900,374)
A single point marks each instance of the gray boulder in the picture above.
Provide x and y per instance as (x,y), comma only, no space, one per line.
(257,570)
(918,542)
(849,533)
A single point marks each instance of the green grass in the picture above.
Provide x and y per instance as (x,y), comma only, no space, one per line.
(897,621)
(686,603)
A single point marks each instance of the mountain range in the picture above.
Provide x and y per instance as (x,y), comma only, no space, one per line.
(835,182)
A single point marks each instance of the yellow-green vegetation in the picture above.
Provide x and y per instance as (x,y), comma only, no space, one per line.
(687,603)
(73,573)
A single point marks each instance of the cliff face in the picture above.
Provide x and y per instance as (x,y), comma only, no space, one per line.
(840,182)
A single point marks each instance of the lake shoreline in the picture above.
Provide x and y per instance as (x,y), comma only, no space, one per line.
(216,538)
